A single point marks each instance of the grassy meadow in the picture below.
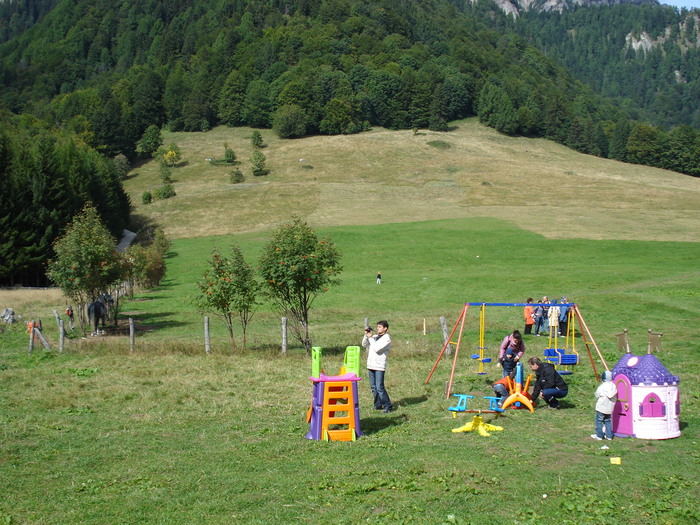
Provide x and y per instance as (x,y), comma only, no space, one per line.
(168,434)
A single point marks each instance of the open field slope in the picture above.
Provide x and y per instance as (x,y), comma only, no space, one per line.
(397,176)
(168,434)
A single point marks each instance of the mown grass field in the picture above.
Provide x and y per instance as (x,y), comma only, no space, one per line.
(167,434)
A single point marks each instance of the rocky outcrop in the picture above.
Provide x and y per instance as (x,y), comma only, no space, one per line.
(515,7)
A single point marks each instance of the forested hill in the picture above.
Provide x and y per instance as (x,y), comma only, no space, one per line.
(647,57)
(109,69)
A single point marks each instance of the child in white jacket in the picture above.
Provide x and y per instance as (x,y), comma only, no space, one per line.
(606,396)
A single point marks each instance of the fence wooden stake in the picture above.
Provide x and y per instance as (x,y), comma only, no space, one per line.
(284,335)
(132,334)
(31,338)
(424,332)
(207,339)
(443,322)
(61,336)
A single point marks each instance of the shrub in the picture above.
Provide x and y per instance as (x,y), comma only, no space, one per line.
(165,173)
(229,155)
(121,164)
(146,197)
(165,192)
(290,121)
(257,160)
(236,176)
(257,140)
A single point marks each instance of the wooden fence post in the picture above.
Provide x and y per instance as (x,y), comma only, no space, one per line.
(43,340)
(445,335)
(284,335)
(207,339)
(132,335)
(31,338)
(61,336)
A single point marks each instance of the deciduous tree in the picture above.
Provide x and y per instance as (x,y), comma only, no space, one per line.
(87,263)
(296,268)
(229,288)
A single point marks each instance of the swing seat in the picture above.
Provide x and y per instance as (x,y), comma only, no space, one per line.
(558,356)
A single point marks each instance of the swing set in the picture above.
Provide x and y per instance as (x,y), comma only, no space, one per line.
(557,356)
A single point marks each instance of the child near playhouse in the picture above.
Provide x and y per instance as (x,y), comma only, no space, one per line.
(606,396)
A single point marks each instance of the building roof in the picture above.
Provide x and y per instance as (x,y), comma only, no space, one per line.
(644,370)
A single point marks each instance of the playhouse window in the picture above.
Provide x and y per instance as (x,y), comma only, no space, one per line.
(652,407)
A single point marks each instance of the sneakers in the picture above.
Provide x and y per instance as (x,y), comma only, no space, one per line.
(595,436)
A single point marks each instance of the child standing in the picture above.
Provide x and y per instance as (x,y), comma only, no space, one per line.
(606,396)
(511,350)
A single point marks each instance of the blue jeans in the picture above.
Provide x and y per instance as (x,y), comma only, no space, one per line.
(376,383)
(539,325)
(600,420)
(501,390)
(553,395)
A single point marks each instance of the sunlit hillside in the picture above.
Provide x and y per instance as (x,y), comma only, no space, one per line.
(395,176)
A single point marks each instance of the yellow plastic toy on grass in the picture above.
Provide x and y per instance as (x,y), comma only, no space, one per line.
(477,423)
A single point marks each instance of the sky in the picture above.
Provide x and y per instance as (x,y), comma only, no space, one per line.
(681,3)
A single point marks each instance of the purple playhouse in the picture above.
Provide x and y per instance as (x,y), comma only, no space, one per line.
(648,405)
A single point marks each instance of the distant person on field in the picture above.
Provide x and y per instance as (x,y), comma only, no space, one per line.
(512,349)
(545,307)
(71,316)
(606,396)
(379,277)
(529,314)
(548,382)
(378,346)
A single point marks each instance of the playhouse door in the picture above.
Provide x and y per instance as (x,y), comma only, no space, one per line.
(622,415)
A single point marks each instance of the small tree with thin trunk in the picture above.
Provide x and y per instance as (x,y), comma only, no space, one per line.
(87,263)
(257,161)
(229,288)
(256,139)
(296,268)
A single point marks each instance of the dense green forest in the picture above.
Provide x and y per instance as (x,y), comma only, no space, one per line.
(659,83)
(47,177)
(104,71)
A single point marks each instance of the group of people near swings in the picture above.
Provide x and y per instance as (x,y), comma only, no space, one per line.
(546,316)
(548,383)
(551,386)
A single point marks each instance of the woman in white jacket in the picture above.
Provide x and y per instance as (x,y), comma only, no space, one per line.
(377,350)
(606,396)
